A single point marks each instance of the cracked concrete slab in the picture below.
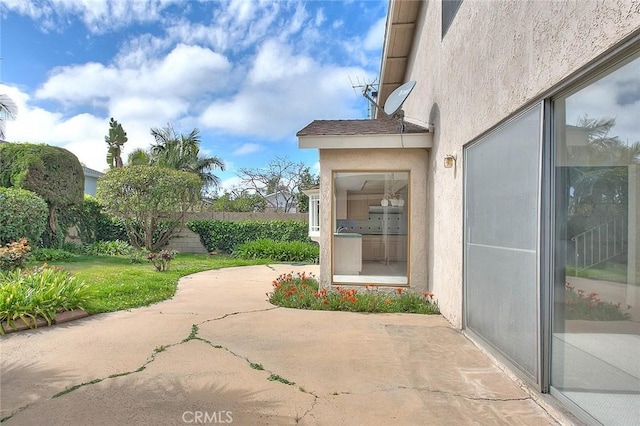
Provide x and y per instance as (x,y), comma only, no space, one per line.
(347,367)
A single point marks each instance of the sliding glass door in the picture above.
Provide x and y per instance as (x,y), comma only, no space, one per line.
(502,193)
(595,338)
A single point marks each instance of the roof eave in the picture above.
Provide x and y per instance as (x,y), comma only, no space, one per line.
(370,141)
(398,41)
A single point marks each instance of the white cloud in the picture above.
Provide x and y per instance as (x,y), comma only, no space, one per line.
(275,61)
(98,16)
(320,18)
(247,148)
(375,37)
(250,68)
(282,93)
(227,185)
(185,71)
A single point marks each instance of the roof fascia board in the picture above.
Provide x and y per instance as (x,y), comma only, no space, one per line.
(405,140)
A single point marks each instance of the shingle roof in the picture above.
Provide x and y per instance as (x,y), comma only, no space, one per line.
(90,172)
(358,127)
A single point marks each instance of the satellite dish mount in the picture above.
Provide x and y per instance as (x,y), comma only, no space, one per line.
(393,106)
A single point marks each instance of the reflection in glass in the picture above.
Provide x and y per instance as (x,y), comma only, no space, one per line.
(370,240)
(596,313)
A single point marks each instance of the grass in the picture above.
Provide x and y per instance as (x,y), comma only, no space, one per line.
(301,292)
(615,272)
(117,284)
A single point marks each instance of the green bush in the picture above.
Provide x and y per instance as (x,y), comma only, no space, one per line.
(94,224)
(39,293)
(51,172)
(279,251)
(226,235)
(51,255)
(22,214)
(150,200)
(109,248)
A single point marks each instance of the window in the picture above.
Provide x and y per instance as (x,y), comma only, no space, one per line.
(595,343)
(449,10)
(314,215)
(502,175)
(371,219)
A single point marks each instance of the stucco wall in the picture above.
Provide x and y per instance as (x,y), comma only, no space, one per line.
(496,57)
(415,160)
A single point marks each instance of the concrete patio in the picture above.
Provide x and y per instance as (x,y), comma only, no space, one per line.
(195,359)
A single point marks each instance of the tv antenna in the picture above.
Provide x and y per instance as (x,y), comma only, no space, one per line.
(369,87)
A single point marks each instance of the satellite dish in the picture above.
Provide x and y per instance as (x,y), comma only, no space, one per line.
(397,98)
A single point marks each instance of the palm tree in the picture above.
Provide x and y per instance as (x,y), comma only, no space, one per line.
(8,111)
(181,152)
(139,157)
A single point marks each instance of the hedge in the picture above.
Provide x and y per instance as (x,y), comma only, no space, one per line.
(226,235)
(279,251)
(22,214)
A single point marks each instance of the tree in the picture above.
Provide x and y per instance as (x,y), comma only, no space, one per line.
(8,111)
(50,171)
(282,177)
(181,152)
(307,181)
(239,202)
(598,175)
(139,157)
(151,201)
(116,138)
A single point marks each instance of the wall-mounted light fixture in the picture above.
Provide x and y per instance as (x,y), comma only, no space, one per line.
(449,161)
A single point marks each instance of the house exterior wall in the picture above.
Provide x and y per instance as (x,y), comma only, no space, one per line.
(496,58)
(414,160)
(90,185)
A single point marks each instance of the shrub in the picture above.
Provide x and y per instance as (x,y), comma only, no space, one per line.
(582,306)
(94,224)
(279,251)
(139,256)
(22,214)
(109,248)
(301,291)
(14,255)
(226,235)
(51,255)
(50,171)
(162,260)
(151,201)
(41,292)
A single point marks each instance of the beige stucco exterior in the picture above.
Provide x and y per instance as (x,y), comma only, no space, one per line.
(415,161)
(496,58)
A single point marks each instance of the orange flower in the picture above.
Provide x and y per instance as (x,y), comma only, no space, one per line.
(399,290)
(388,302)
(325,302)
(352,299)
(426,294)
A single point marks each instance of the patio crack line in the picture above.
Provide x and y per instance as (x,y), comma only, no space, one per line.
(256,366)
(238,313)
(471,398)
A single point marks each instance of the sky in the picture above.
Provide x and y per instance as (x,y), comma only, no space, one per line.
(248,74)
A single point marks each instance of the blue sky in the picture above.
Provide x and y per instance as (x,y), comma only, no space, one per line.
(248,74)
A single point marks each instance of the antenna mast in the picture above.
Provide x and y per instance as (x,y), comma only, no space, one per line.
(369,91)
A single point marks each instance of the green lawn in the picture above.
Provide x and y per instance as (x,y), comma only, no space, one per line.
(118,284)
(608,272)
